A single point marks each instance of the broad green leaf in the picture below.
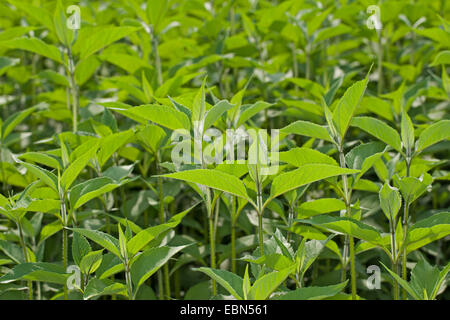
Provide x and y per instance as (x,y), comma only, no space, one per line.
(435,133)
(103,287)
(412,187)
(156,10)
(80,247)
(442,57)
(347,106)
(304,175)
(302,156)
(214,179)
(36,271)
(91,261)
(41,158)
(142,238)
(71,173)
(390,201)
(428,230)
(403,283)
(34,45)
(46,176)
(379,130)
(313,293)
(12,121)
(309,129)
(92,39)
(111,144)
(344,225)
(407,132)
(363,157)
(163,115)
(247,112)
(199,104)
(103,239)
(90,189)
(213,114)
(65,35)
(150,261)
(267,284)
(320,206)
(230,281)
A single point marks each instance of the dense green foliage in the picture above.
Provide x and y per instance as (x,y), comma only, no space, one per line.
(94,204)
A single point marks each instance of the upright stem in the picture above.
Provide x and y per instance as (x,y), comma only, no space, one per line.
(64,244)
(26,257)
(128,281)
(212,241)
(405,231)
(380,65)
(394,254)
(233,234)
(162,219)
(259,203)
(157,58)
(73,90)
(348,214)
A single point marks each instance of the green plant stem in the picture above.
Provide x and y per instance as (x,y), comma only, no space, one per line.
(405,231)
(351,243)
(233,234)
(394,254)
(128,281)
(380,65)
(212,241)
(73,90)
(26,257)
(64,245)
(259,203)
(157,57)
(162,219)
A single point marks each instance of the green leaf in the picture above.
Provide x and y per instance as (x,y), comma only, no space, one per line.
(301,156)
(407,132)
(214,179)
(163,115)
(267,284)
(390,201)
(34,45)
(103,239)
(363,157)
(304,175)
(433,134)
(344,225)
(230,281)
(156,10)
(428,230)
(42,158)
(320,206)
(71,173)
(379,130)
(64,34)
(412,187)
(80,247)
(12,121)
(313,293)
(91,261)
(90,189)
(442,57)
(213,114)
(247,112)
(111,144)
(309,129)
(46,176)
(147,263)
(142,238)
(37,271)
(347,106)
(199,105)
(92,39)
(403,283)
(103,287)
